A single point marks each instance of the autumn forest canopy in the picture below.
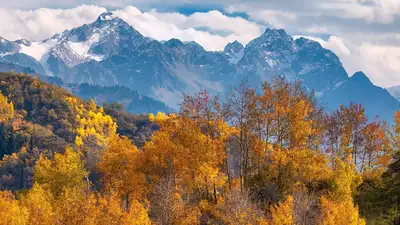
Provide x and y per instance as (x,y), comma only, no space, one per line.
(269,155)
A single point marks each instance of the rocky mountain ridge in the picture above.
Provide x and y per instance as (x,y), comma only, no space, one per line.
(110,52)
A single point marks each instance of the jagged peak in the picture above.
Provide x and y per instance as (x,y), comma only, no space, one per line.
(195,45)
(106,16)
(173,43)
(23,42)
(300,41)
(233,46)
(360,77)
(275,32)
(271,36)
(3,40)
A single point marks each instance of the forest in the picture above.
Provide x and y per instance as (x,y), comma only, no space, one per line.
(269,155)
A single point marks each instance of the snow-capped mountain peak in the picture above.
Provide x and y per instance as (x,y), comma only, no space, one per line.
(7,47)
(106,16)
(97,41)
(23,42)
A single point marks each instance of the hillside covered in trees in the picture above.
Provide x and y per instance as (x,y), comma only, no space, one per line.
(251,157)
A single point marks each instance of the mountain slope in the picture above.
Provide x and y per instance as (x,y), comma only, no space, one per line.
(45,122)
(394,91)
(132,101)
(359,89)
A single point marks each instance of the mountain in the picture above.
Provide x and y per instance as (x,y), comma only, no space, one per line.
(7,47)
(25,61)
(109,52)
(234,51)
(394,91)
(132,101)
(359,89)
(7,67)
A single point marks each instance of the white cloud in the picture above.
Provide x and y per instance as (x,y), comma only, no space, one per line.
(43,23)
(383,61)
(334,43)
(274,18)
(164,26)
(381,11)
(219,29)
(380,62)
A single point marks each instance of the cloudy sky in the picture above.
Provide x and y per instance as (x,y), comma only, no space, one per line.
(365,34)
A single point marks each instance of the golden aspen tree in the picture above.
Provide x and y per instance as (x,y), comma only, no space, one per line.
(93,125)
(35,82)
(281,101)
(267,125)
(6,109)
(208,113)
(111,210)
(76,206)
(92,105)
(376,154)
(297,167)
(39,202)
(137,215)
(11,212)
(282,214)
(119,166)
(338,206)
(339,212)
(354,121)
(65,171)
(179,149)
(300,123)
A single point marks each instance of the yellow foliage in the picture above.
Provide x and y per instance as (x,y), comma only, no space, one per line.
(66,170)
(337,208)
(301,126)
(78,141)
(236,208)
(181,149)
(282,214)
(299,166)
(152,118)
(345,180)
(120,168)
(339,212)
(36,82)
(11,212)
(111,211)
(39,204)
(186,215)
(6,109)
(160,117)
(137,215)
(225,131)
(92,122)
(75,206)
